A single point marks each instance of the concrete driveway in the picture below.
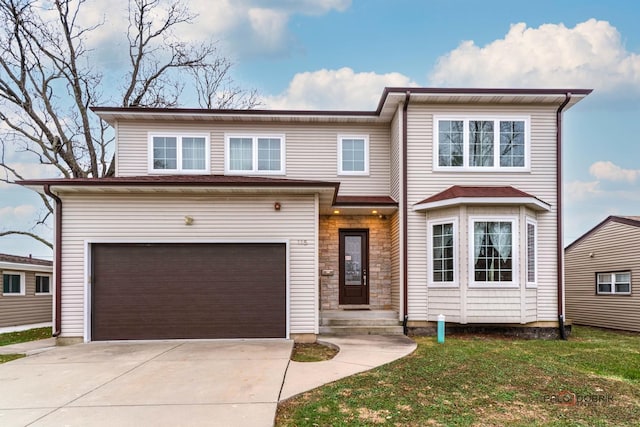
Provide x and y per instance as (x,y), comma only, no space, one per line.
(195,383)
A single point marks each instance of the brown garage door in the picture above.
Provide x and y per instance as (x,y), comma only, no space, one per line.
(170,291)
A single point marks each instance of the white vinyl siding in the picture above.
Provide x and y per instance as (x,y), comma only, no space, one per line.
(611,248)
(536,304)
(140,217)
(311,149)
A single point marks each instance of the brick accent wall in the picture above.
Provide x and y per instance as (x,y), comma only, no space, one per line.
(379,259)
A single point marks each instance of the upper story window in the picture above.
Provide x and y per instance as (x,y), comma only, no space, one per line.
(614,283)
(494,251)
(353,155)
(443,252)
(178,153)
(43,284)
(480,143)
(13,283)
(263,154)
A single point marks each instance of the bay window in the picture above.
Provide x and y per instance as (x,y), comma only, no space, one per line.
(443,252)
(494,252)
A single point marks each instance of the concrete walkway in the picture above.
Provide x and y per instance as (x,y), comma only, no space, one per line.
(161,383)
(357,353)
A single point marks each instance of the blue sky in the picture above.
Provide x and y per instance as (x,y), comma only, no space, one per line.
(339,54)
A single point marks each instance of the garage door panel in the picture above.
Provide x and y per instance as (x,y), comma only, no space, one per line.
(165,291)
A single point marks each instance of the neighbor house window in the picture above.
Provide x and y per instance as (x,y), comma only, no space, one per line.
(531,253)
(481,144)
(353,155)
(13,283)
(179,153)
(43,284)
(614,283)
(255,154)
(443,252)
(494,250)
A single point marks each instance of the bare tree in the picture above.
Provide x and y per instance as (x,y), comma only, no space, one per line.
(47,84)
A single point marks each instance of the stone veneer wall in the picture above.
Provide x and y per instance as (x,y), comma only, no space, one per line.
(379,259)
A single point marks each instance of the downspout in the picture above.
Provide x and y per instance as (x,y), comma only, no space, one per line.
(560,248)
(405,216)
(57,259)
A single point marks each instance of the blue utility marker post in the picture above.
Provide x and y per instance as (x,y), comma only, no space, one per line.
(441,328)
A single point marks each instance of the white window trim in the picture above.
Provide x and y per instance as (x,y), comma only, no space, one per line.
(515,252)
(179,169)
(456,254)
(496,152)
(533,222)
(613,282)
(365,172)
(50,284)
(254,154)
(22,283)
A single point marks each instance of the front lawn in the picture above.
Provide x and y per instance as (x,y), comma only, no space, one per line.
(19,337)
(24,336)
(591,380)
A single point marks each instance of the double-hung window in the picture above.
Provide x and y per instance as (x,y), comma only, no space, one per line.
(178,153)
(43,284)
(481,143)
(353,155)
(13,283)
(255,154)
(494,252)
(443,252)
(618,282)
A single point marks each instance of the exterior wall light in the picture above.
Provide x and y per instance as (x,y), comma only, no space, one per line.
(277,206)
(188,220)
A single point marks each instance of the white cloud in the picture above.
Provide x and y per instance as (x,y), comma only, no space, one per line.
(342,89)
(13,214)
(243,27)
(612,172)
(581,190)
(589,55)
(29,171)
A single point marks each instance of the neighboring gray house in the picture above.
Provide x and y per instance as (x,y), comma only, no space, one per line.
(602,269)
(262,223)
(26,298)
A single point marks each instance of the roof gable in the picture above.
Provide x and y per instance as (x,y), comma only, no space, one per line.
(632,221)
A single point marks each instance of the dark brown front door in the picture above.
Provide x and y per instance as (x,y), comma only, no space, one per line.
(354,267)
(191,290)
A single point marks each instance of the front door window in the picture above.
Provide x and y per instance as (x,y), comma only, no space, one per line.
(354,258)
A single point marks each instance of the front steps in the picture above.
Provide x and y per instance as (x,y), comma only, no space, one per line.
(360,322)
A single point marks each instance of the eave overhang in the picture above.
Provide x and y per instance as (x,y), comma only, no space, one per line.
(481,196)
(180,184)
(391,98)
(362,205)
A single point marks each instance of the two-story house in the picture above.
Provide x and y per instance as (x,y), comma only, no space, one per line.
(253,223)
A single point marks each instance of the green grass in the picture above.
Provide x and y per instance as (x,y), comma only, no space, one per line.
(24,336)
(487,381)
(4,358)
(312,352)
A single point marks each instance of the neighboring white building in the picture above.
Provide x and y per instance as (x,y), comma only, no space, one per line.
(255,223)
